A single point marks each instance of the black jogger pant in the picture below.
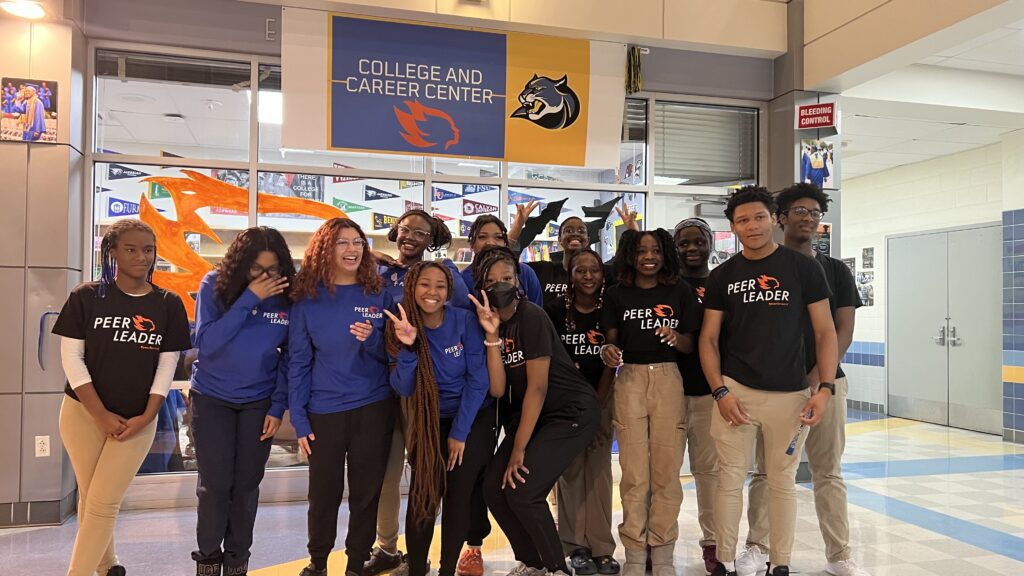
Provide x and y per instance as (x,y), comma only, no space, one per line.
(523,513)
(356,440)
(231,460)
(456,507)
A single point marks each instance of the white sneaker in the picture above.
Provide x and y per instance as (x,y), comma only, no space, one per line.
(524,570)
(845,568)
(752,561)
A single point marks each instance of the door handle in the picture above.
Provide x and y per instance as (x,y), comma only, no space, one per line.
(941,338)
(954,340)
(41,343)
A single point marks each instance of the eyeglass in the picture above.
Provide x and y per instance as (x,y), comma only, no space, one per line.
(580,231)
(802,212)
(257,270)
(416,232)
(358,244)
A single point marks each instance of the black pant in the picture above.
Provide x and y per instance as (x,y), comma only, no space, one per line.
(479,523)
(523,513)
(359,438)
(456,514)
(231,460)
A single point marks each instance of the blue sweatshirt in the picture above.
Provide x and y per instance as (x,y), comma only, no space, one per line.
(394,283)
(242,350)
(528,281)
(460,368)
(328,369)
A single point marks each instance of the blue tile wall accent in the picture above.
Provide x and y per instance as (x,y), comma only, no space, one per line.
(866,353)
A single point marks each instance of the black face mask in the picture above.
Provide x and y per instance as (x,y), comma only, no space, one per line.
(502,294)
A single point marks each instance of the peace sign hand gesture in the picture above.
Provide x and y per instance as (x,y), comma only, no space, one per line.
(489,319)
(405,332)
(628,217)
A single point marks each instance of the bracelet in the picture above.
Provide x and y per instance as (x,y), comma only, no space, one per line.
(720,392)
(828,386)
(492,344)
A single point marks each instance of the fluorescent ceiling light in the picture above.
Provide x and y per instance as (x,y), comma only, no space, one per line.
(665,180)
(271,110)
(475,165)
(24,9)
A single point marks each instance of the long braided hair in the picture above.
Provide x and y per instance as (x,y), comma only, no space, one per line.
(423,435)
(487,258)
(108,270)
(570,294)
(318,262)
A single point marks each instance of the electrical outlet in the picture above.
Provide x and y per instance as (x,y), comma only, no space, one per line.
(42,446)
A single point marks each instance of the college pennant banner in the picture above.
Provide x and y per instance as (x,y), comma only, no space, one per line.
(413,88)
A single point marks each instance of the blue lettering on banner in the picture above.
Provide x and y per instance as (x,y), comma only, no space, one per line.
(440,194)
(521,198)
(477,188)
(445,97)
(371,193)
(117,208)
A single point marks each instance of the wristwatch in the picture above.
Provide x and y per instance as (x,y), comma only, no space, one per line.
(830,386)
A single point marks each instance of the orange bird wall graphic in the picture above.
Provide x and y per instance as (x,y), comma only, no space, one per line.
(191,193)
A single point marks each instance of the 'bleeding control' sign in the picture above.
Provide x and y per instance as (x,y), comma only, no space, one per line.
(815,116)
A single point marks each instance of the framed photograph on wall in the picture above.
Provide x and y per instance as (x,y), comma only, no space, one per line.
(28,110)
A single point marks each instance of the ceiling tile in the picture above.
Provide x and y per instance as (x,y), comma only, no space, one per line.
(982,66)
(210,102)
(930,147)
(154,129)
(135,96)
(932,60)
(218,133)
(971,134)
(867,143)
(981,40)
(1007,49)
(891,158)
(890,127)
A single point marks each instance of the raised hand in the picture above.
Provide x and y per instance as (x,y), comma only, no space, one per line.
(523,212)
(489,319)
(405,332)
(266,286)
(628,217)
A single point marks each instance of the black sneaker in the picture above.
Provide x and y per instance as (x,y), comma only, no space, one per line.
(311,570)
(242,570)
(208,569)
(581,562)
(381,561)
(778,571)
(607,565)
(721,571)
(117,570)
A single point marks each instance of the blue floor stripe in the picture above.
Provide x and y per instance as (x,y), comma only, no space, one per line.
(977,535)
(932,466)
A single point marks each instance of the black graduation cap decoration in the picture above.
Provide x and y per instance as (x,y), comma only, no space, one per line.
(536,224)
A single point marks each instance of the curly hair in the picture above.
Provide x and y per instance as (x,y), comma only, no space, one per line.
(243,251)
(570,294)
(788,196)
(423,436)
(487,258)
(629,249)
(440,235)
(748,195)
(484,220)
(318,262)
(108,264)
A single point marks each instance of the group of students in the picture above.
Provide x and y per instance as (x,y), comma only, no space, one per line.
(380,361)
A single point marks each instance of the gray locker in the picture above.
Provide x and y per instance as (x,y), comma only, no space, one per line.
(41,477)
(12,319)
(53,223)
(10,449)
(13,194)
(46,289)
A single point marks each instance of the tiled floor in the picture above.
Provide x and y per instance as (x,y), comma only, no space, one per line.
(924,500)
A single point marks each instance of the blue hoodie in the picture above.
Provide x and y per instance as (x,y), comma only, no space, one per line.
(460,368)
(242,350)
(394,283)
(328,369)
(528,281)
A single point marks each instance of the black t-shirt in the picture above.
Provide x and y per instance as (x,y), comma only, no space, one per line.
(638,312)
(765,304)
(529,335)
(124,336)
(694,381)
(554,278)
(844,295)
(584,342)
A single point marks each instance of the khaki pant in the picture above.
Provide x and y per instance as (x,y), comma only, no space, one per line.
(826,442)
(650,421)
(703,461)
(585,495)
(389,508)
(776,416)
(104,468)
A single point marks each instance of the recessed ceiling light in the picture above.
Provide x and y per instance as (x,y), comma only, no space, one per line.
(174,118)
(137,98)
(24,9)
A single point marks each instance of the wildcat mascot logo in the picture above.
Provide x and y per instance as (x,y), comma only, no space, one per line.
(548,103)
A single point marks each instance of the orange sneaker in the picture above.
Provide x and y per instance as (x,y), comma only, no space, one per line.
(471,563)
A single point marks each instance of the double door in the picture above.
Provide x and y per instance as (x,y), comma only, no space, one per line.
(943,318)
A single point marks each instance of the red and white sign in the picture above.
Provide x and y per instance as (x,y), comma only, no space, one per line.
(814,116)
(471,208)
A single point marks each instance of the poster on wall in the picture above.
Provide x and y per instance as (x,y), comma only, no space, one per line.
(868,259)
(851,263)
(407,87)
(866,287)
(28,110)
(823,243)
(817,163)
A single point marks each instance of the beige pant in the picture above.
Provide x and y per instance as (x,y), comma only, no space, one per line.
(389,507)
(103,468)
(776,416)
(703,461)
(651,424)
(585,496)
(826,442)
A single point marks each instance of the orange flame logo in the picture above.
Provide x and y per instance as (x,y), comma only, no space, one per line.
(768,282)
(143,324)
(664,311)
(200,191)
(413,134)
(595,337)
